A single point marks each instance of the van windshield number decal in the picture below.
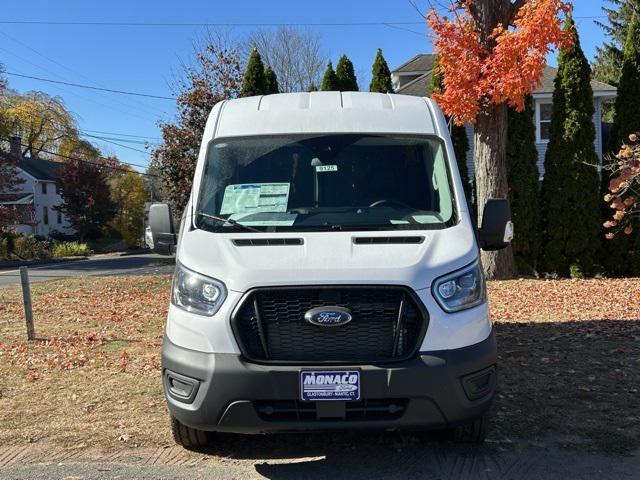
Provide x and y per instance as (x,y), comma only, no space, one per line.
(326,168)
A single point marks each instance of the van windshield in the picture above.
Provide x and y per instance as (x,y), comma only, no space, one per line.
(325,182)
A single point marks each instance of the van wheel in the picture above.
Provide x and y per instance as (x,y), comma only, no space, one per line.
(188,437)
(472,432)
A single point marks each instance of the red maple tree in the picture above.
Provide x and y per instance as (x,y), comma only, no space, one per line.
(492,55)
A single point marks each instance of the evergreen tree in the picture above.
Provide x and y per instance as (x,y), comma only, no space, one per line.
(254,81)
(380,75)
(329,80)
(607,65)
(271,81)
(621,255)
(627,114)
(345,75)
(570,190)
(313,88)
(458,136)
(523,178)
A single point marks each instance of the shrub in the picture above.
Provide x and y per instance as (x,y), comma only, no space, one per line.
(4,248)
(575,271)
(28,247)
(59,236)
(71,249)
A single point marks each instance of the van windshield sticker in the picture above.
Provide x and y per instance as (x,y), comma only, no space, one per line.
(255,197)
(326,168)
(266,219)
(427,218)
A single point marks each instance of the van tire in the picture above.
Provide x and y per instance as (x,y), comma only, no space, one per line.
(188,437)
(472,432)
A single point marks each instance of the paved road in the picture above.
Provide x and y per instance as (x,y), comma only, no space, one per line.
(144,264)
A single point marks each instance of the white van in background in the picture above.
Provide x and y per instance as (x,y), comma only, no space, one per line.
(328,273)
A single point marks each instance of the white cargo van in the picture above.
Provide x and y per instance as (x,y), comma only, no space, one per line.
(327,273)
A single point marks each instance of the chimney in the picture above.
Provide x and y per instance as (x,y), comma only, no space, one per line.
(15,147)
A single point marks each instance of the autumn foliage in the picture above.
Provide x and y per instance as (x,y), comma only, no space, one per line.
(624,187)
(215,76)
(506,72)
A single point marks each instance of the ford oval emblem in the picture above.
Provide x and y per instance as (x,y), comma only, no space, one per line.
(328,316)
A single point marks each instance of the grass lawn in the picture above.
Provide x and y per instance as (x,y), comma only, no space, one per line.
(569,363)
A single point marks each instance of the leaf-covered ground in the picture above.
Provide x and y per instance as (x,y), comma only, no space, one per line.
(569,363)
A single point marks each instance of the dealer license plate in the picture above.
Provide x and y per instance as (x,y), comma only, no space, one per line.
(319,385)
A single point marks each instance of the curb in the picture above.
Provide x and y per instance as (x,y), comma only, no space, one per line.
(43,261)
(139,251)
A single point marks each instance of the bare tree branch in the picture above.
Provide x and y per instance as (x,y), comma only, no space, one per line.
(294,54)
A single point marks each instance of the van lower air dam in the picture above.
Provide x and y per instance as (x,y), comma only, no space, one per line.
(328,273)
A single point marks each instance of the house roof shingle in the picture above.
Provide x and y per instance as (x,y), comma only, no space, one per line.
(418,87)
(549,75)
(46,170)
(424,63)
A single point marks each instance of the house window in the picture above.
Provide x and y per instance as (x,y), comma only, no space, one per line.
(44,188)
(58,217)
(544,109)
(45,215)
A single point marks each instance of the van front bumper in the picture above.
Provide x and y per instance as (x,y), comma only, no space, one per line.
(223,392)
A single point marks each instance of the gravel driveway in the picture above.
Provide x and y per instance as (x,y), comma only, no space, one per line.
(352,456)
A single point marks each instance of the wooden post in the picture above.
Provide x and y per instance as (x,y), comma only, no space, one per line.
(26,295)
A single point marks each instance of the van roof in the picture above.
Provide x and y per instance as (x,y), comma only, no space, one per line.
(325,112)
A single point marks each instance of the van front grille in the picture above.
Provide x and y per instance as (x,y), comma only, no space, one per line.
(387,324)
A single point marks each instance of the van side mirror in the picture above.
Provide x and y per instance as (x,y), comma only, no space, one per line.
(496,232)
(162,229)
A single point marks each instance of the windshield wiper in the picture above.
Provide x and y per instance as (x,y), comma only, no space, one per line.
(230,221)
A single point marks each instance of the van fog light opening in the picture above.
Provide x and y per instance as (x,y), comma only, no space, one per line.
(479,384)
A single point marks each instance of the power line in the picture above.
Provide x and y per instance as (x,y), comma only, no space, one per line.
(404,29)
(94,163)
(104,139)
(201,24)
(79,85)
(125,140)
(120,134)
(144,106)
(75,94)
(223,24)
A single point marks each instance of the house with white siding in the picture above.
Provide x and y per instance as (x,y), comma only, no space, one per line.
(414,78)
(38,195)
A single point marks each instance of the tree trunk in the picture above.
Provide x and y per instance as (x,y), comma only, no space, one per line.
(490,158)
(490,139)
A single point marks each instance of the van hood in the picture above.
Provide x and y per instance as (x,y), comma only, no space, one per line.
(327,258)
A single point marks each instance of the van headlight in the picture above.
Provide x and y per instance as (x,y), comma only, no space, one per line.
(196,293)
(461,289)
